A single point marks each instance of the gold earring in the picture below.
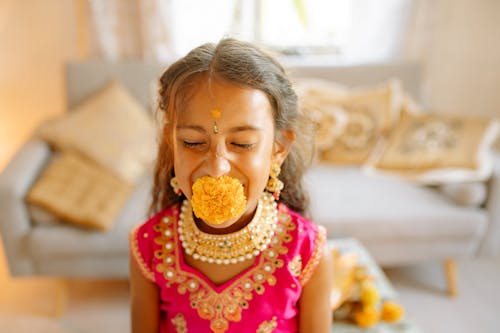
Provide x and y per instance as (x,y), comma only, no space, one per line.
(175,185)
(274,185)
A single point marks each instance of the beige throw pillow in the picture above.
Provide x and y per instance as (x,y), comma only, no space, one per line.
(360,118)
(80,192)
(320,100)
(436,149)
(111,128)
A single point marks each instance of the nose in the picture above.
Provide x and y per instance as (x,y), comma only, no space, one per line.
(217,163)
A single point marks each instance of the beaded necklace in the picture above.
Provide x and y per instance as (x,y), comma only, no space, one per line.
(234,247)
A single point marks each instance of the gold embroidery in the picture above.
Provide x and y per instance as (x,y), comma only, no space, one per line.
(134,248)
(227,306)
(267,326)
(179,323)
(319,243)
(295,266)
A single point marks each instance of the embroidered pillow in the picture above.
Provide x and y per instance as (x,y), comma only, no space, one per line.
(349,122)
(320,99)
(111,128)
(436,149)
(79,192)
(370,115)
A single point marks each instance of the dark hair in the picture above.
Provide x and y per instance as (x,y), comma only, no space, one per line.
(241,63)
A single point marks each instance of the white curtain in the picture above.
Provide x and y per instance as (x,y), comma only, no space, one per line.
(378,30)
(131,29)
(357,30)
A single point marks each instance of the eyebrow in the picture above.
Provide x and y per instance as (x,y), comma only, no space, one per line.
(245,128)
(232,130)
(192,127)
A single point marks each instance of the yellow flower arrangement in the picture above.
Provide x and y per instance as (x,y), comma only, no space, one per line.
(362,304)
(391,311)
(369,294)
(217,200)
(367,316)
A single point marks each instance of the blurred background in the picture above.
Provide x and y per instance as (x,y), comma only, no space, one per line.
(455,40)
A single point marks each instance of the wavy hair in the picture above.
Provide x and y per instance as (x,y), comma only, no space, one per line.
(244,64)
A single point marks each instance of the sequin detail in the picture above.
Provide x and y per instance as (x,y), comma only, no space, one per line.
(267,326)
(295,266)
(179,323)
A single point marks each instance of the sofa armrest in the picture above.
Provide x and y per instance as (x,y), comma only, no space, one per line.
(15,182)
(491,242)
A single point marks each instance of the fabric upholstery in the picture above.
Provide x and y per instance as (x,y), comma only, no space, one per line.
(434,149)
(47,242)
(349,203)
(472,194)
(80,192)
(109,127)
(367,114)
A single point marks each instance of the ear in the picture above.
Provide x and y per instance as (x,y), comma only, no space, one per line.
(282,144)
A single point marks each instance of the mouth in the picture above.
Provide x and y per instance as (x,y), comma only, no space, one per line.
(217,200)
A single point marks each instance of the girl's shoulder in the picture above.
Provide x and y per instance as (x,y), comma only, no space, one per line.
(142,239)
(306,242)
(149,225)
(302,227)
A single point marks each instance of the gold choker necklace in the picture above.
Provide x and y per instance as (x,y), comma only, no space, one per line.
(230,248)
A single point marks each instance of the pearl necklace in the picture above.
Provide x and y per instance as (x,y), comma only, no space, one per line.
(234,247)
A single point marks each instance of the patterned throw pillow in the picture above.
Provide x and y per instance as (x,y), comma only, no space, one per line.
(436,149)
(111,128)
(320,100)
(350,122)
(80,192)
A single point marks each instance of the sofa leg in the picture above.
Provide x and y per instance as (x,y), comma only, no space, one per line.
(450,270)
(61,296)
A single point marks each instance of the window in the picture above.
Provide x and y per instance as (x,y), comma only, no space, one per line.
(341,30)
(347,30)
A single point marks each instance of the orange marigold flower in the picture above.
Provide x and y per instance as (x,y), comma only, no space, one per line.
(367,316)
(217,200)
(369,294)
(391,311)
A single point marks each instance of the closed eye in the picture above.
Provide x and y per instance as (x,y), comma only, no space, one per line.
(190,144)
(243,145)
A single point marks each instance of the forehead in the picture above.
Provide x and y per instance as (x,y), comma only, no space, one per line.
(238,104)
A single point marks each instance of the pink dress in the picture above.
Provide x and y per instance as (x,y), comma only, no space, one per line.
(263,298)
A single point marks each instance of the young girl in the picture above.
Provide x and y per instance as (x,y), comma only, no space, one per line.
(227,249)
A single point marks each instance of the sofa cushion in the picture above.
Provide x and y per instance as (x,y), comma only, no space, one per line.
(349,203)
(109,127)
(63,241)
(434,149)
(357,117)
(80,192)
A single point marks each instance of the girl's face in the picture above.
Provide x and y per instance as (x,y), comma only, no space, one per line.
(243,148)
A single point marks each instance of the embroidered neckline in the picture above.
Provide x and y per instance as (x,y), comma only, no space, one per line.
(225,303)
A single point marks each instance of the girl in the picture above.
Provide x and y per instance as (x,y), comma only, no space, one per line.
(227,248)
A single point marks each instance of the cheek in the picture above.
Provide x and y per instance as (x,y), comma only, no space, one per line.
(256,168)
(184,164)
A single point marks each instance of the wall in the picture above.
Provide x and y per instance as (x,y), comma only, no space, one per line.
(462,57)
(37,37)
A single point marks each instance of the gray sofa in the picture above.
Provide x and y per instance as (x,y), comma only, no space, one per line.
(399,223)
